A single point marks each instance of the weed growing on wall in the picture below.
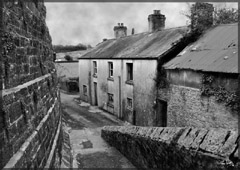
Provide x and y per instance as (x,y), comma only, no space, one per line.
(220,93)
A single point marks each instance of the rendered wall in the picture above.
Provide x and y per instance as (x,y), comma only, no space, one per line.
(30,120)
(142,90)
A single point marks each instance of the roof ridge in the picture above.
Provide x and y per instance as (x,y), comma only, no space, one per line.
(148,32)
(235,23)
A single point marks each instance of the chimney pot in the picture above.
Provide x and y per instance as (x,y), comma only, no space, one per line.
(156,12)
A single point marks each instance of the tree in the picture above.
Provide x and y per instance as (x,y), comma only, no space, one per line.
(226,16)
(68,58)
(69,48)
(202,15)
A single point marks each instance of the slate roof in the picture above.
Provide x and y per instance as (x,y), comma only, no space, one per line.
(216,51)
(143,46)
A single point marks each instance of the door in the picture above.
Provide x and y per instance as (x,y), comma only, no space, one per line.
(95,94)
(161,113)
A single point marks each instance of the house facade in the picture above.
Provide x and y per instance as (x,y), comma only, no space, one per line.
(118,85)
(119,75)
(203,81)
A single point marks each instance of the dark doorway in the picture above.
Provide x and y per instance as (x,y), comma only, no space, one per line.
(95,94)
(161,113)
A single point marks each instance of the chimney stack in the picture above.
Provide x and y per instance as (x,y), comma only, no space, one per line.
(201,15)
(156,21)
(133,31)
(120,30)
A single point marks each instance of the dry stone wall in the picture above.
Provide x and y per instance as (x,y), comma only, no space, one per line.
(30,119)
(175,147)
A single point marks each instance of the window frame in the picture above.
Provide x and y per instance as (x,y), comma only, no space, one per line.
(110,70)
(85,90)
(110,103)
(95,68)
(128,106)
(129,72)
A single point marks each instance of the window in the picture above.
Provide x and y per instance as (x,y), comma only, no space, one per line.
(85,90)
(110,69)
(129,71)
(129,103)
(110,99)
(94,68)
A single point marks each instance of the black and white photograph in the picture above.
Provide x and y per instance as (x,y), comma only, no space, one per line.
(119,85)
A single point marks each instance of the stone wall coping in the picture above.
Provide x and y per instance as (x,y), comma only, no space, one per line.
(19,87)
(215,142)
(48,164)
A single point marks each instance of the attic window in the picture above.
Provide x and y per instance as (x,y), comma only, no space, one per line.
(225,57)
(194,49)
(233,44)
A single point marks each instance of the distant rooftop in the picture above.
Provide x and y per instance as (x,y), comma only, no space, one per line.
(74,54)
(216,51)
(143,45)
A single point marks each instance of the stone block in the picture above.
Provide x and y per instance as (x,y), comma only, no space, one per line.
(214,140)
(8,99)
(199,138)
(15,111)
(229,145)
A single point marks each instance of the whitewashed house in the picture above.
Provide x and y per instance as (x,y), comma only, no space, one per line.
(118,75)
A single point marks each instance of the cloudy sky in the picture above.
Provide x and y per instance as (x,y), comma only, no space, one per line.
(88,23)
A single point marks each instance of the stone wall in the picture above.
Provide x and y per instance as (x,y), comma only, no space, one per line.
(30,119)
(175,148)
(187,108)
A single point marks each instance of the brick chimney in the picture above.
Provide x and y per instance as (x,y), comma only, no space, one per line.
(201,15)
(156,21)
(120,30)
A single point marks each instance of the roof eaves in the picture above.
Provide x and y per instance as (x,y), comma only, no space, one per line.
(123,58)
(202,70)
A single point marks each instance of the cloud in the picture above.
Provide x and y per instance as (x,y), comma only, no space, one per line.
(89,23)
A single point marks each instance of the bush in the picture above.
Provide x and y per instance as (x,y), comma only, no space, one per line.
(68,58)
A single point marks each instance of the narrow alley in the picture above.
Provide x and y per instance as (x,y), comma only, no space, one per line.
(83,123)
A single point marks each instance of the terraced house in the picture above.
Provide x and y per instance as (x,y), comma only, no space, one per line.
(119,74)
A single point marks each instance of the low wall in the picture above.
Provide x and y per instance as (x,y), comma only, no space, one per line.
(174,147)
